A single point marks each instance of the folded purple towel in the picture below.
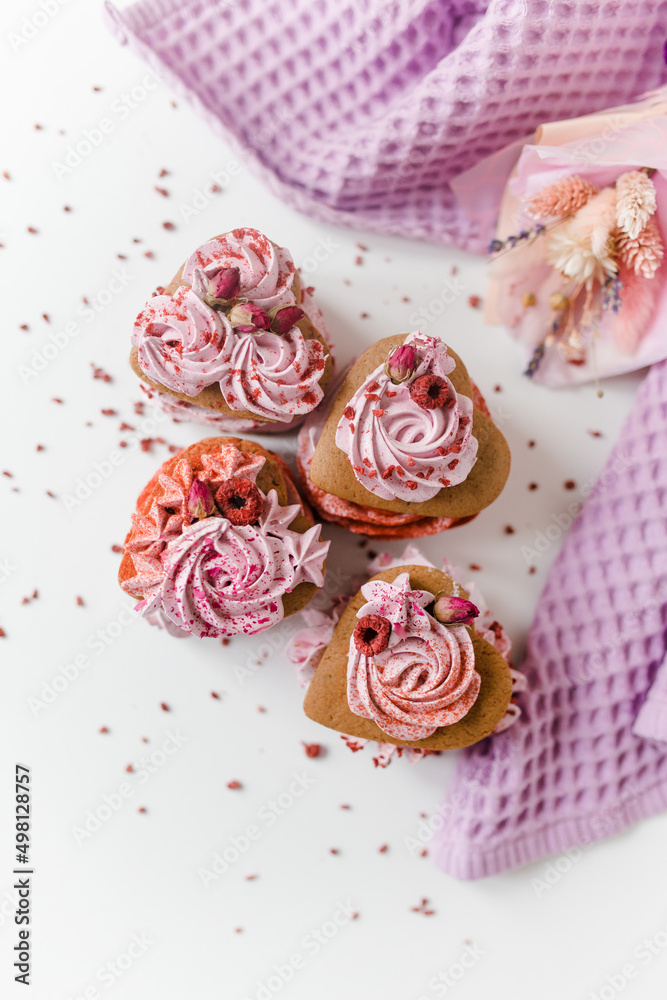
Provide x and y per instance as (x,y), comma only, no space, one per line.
(362,111)
(573,769)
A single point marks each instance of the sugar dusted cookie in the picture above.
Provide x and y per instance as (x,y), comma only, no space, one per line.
(234,341)
(405,665)
(408,447)
(221,542)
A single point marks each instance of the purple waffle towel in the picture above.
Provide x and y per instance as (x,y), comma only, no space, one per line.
(572,770)
(363,111)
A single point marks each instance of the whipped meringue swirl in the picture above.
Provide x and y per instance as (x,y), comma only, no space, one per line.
(266,272)
(180,341)
(222,579)
(397,449)
(425,679)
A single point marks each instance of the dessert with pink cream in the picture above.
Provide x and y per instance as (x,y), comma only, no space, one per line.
(221,543)
(234,341)
(406,447)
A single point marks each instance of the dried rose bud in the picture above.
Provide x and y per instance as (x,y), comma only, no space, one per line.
(453,611)
(239,501)
(429,392)
(247,317)
(371,634)
(200,501)
(401,363)
(284,317)
(225,284)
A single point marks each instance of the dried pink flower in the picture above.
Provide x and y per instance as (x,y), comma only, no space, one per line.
(454,611)
(248,318)
(400,364)
(643,253)
(563,197)
(284,317)
(638,301)
(225,284)
(200,501)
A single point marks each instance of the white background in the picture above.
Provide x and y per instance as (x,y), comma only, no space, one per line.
(138,874)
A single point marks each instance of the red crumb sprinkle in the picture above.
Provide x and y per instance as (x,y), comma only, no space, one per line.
(422,908)
(126,427)
(129,768)
(31,229)
(532,486)
(116,548)
(383,849)
(234,785)
(595,434)
(66,208)
(348,412)
(56,399)
(149,254)
(109,412)
(103,729)
(531,444)
(334,850)
(5,174)
(79,602)
(509,530)
(312,749)
(3,634)
(498,388)
(225,642)
(46,317)
(360,246)
(162,191)
(365,315)
(345,806)
(569,484)
(475,566)
(358,260)
(142,809)
(214,694)
(168,225)
(474,301)
(251,878)
(237,930)
(24,326)
(10,475)
(532,570)
(164,706)
(100,373)
(260,708)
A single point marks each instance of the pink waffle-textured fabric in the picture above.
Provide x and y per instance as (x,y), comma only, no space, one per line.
(572,770)
(362,111)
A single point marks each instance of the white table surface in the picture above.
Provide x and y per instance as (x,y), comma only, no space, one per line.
(138,874)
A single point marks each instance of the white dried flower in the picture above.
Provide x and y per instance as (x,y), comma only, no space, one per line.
(582,248)
(635,202)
